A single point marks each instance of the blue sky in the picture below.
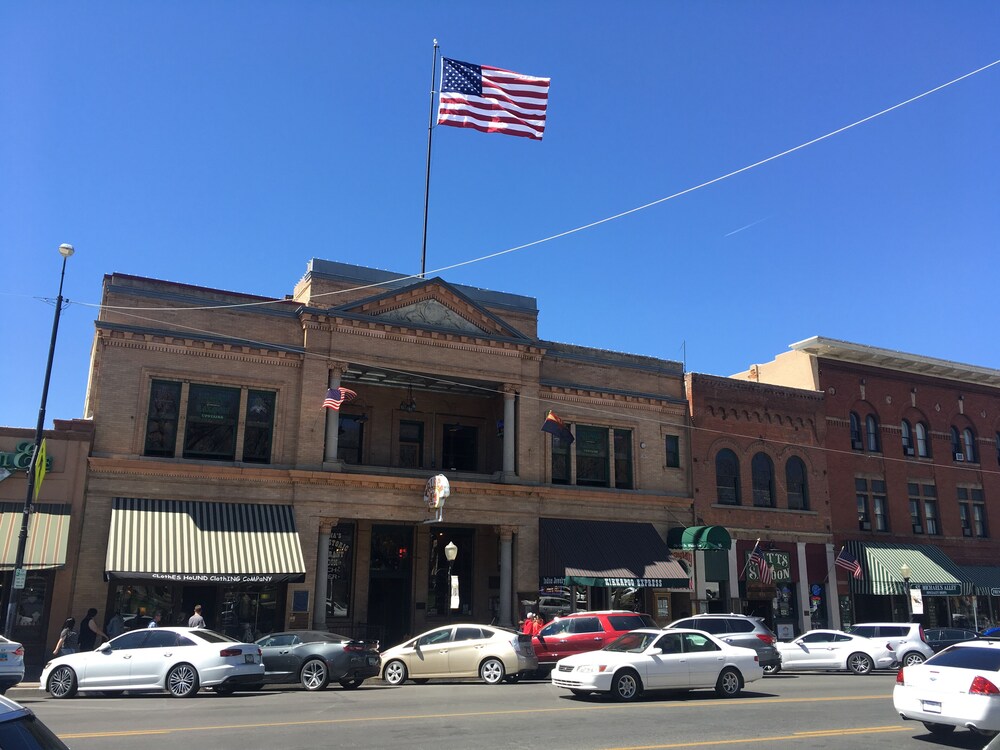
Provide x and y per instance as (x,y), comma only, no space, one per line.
(224,144)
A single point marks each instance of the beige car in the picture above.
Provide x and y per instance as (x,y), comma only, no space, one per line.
(491,653)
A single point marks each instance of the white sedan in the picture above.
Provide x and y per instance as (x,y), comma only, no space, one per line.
(176,660)
(670,659)
(835,650)
(959,687)
(11,664)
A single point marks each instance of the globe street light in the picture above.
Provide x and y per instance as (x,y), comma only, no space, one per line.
(904,570)
(65,251)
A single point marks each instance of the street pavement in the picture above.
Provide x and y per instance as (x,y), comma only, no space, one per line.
(797,712)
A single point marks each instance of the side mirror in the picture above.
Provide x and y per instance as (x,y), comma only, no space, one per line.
(105,648)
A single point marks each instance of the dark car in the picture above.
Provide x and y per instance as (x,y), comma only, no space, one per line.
(584,631)
(940,638)
(21,729)
(314,659)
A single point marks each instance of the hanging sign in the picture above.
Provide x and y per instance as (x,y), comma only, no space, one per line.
(454,592)
(436,491)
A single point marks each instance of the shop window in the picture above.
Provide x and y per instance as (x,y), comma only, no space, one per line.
(673,451)
(161,418)
(762,470)
(29,623)
(259,427)
(871,432)
(340,571)
(248,613)
(592,456)
(623,459)
(460,449)
(212,413)
(138,603)
(351,438)
(907,436)
(727,477)
(795,481)
(923,445)
(441,570)
(411,444)
(560,461)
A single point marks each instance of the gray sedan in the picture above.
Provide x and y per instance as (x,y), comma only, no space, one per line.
(314,659)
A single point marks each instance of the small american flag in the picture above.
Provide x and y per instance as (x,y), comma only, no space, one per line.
(849,562)
(336,396)
(492,100)
(757,559)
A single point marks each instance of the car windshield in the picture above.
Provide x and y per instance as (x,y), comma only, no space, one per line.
(633,643)
(968,657)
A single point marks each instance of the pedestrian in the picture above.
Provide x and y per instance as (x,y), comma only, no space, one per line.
(537,623)
(115,626)
(155,622)
(69,639)
(196,620)
(528,624)
(89,631)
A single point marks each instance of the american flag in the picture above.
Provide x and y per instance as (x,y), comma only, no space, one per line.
(492,100)
(764,571)
(847,561)
(336,396)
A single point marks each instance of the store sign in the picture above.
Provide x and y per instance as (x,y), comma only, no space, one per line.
(939,589)
(208,577)
(995,591)
(781,567)
(20,457)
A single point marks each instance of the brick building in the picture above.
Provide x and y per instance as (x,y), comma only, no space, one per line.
(759,472)
(217,478)
(913,449)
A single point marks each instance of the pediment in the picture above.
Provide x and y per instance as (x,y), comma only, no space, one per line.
(436,305)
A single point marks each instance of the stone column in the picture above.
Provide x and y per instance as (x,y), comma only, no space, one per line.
(506,573)
(322,567)
(333,418)
(508,432)
(833,590)
(805,610)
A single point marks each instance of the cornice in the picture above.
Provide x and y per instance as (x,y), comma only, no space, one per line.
(593,396)
(197,347)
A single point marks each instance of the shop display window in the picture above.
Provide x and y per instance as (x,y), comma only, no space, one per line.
(340,567)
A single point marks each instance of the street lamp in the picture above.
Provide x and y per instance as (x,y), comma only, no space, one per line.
(904,570)
(22,541)
(450,553)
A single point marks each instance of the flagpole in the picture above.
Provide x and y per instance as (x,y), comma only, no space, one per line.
(747,563)
(427,178)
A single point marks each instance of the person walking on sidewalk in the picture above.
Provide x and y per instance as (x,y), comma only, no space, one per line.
(89,631)
(69,639)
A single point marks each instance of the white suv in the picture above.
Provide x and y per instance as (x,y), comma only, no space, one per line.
(906,639)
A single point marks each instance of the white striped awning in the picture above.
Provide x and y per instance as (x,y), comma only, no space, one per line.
(48,531)
(203,542)
(931,570)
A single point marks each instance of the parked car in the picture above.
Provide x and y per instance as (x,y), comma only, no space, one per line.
(314,659)
(940,638)
(958,687)
(834,650)
(738,630)
(579,632)
(11,665)
(553,606)
(21,729)
(906,638)
(670,659)
(178,660)
(492,653)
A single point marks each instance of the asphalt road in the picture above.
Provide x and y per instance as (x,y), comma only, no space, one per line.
(796,712)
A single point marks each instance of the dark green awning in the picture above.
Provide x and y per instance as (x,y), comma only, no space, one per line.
(699,537)
(931,570)
(985,578)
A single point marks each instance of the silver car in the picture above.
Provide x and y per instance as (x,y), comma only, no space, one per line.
(738,630)
(905,638)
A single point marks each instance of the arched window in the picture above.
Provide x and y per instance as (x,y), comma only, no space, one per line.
(856,443)
(907,438)
(795,480)
(727,477)
(871,431)
(956,445)
(969,445)
(923,446)
(762,470)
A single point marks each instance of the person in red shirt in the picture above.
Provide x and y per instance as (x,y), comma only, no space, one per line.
(529,624)
(537,624)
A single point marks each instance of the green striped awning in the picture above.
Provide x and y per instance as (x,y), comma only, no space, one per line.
(48,530)
(931,570)
(699,537)
(202,542)
(985,578)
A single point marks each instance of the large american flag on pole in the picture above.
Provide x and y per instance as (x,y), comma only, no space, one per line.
(764,571)
(492,100)
(336,396)
(847,561)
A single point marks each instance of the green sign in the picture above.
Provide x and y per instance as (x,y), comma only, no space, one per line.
(20,458)
(781,566)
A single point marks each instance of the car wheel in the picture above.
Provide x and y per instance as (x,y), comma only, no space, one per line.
(860,663)
(626,686)
(729,683)
(914,657)
(62,682)
(939,730)
(772,669)
(395,672)
(491,671)
(314,675)
(351,684)
(182,681)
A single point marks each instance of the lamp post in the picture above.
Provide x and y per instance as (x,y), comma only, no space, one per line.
(904,570)
(22,541)
(450,553)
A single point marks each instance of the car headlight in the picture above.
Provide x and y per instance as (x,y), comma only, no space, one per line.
(592,668)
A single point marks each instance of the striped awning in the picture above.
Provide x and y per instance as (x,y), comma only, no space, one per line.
(202,542)
(931,570)
(48,530)
(985,578)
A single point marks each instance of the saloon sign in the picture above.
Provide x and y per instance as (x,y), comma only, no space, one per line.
(781,567)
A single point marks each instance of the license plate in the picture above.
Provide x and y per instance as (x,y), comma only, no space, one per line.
(248,658)
(3,656)
(372,661)
(932,707)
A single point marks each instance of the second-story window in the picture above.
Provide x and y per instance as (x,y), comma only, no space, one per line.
(592,456)
(972,511)
(259,430)
(411,444)
(762,470)
(212,414)
(923,508)
(969,445)
(923,445)
(162,417)
(727,477)
(856,442)
(460,448)
(623,459)
(351,438)
(871,433)
(873,514)
(673,444)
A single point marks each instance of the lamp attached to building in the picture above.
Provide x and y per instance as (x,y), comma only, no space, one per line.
(450,553)
(904,570)
(22,541)
(409,405)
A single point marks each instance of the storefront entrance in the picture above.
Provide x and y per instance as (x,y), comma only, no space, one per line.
(390,584)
